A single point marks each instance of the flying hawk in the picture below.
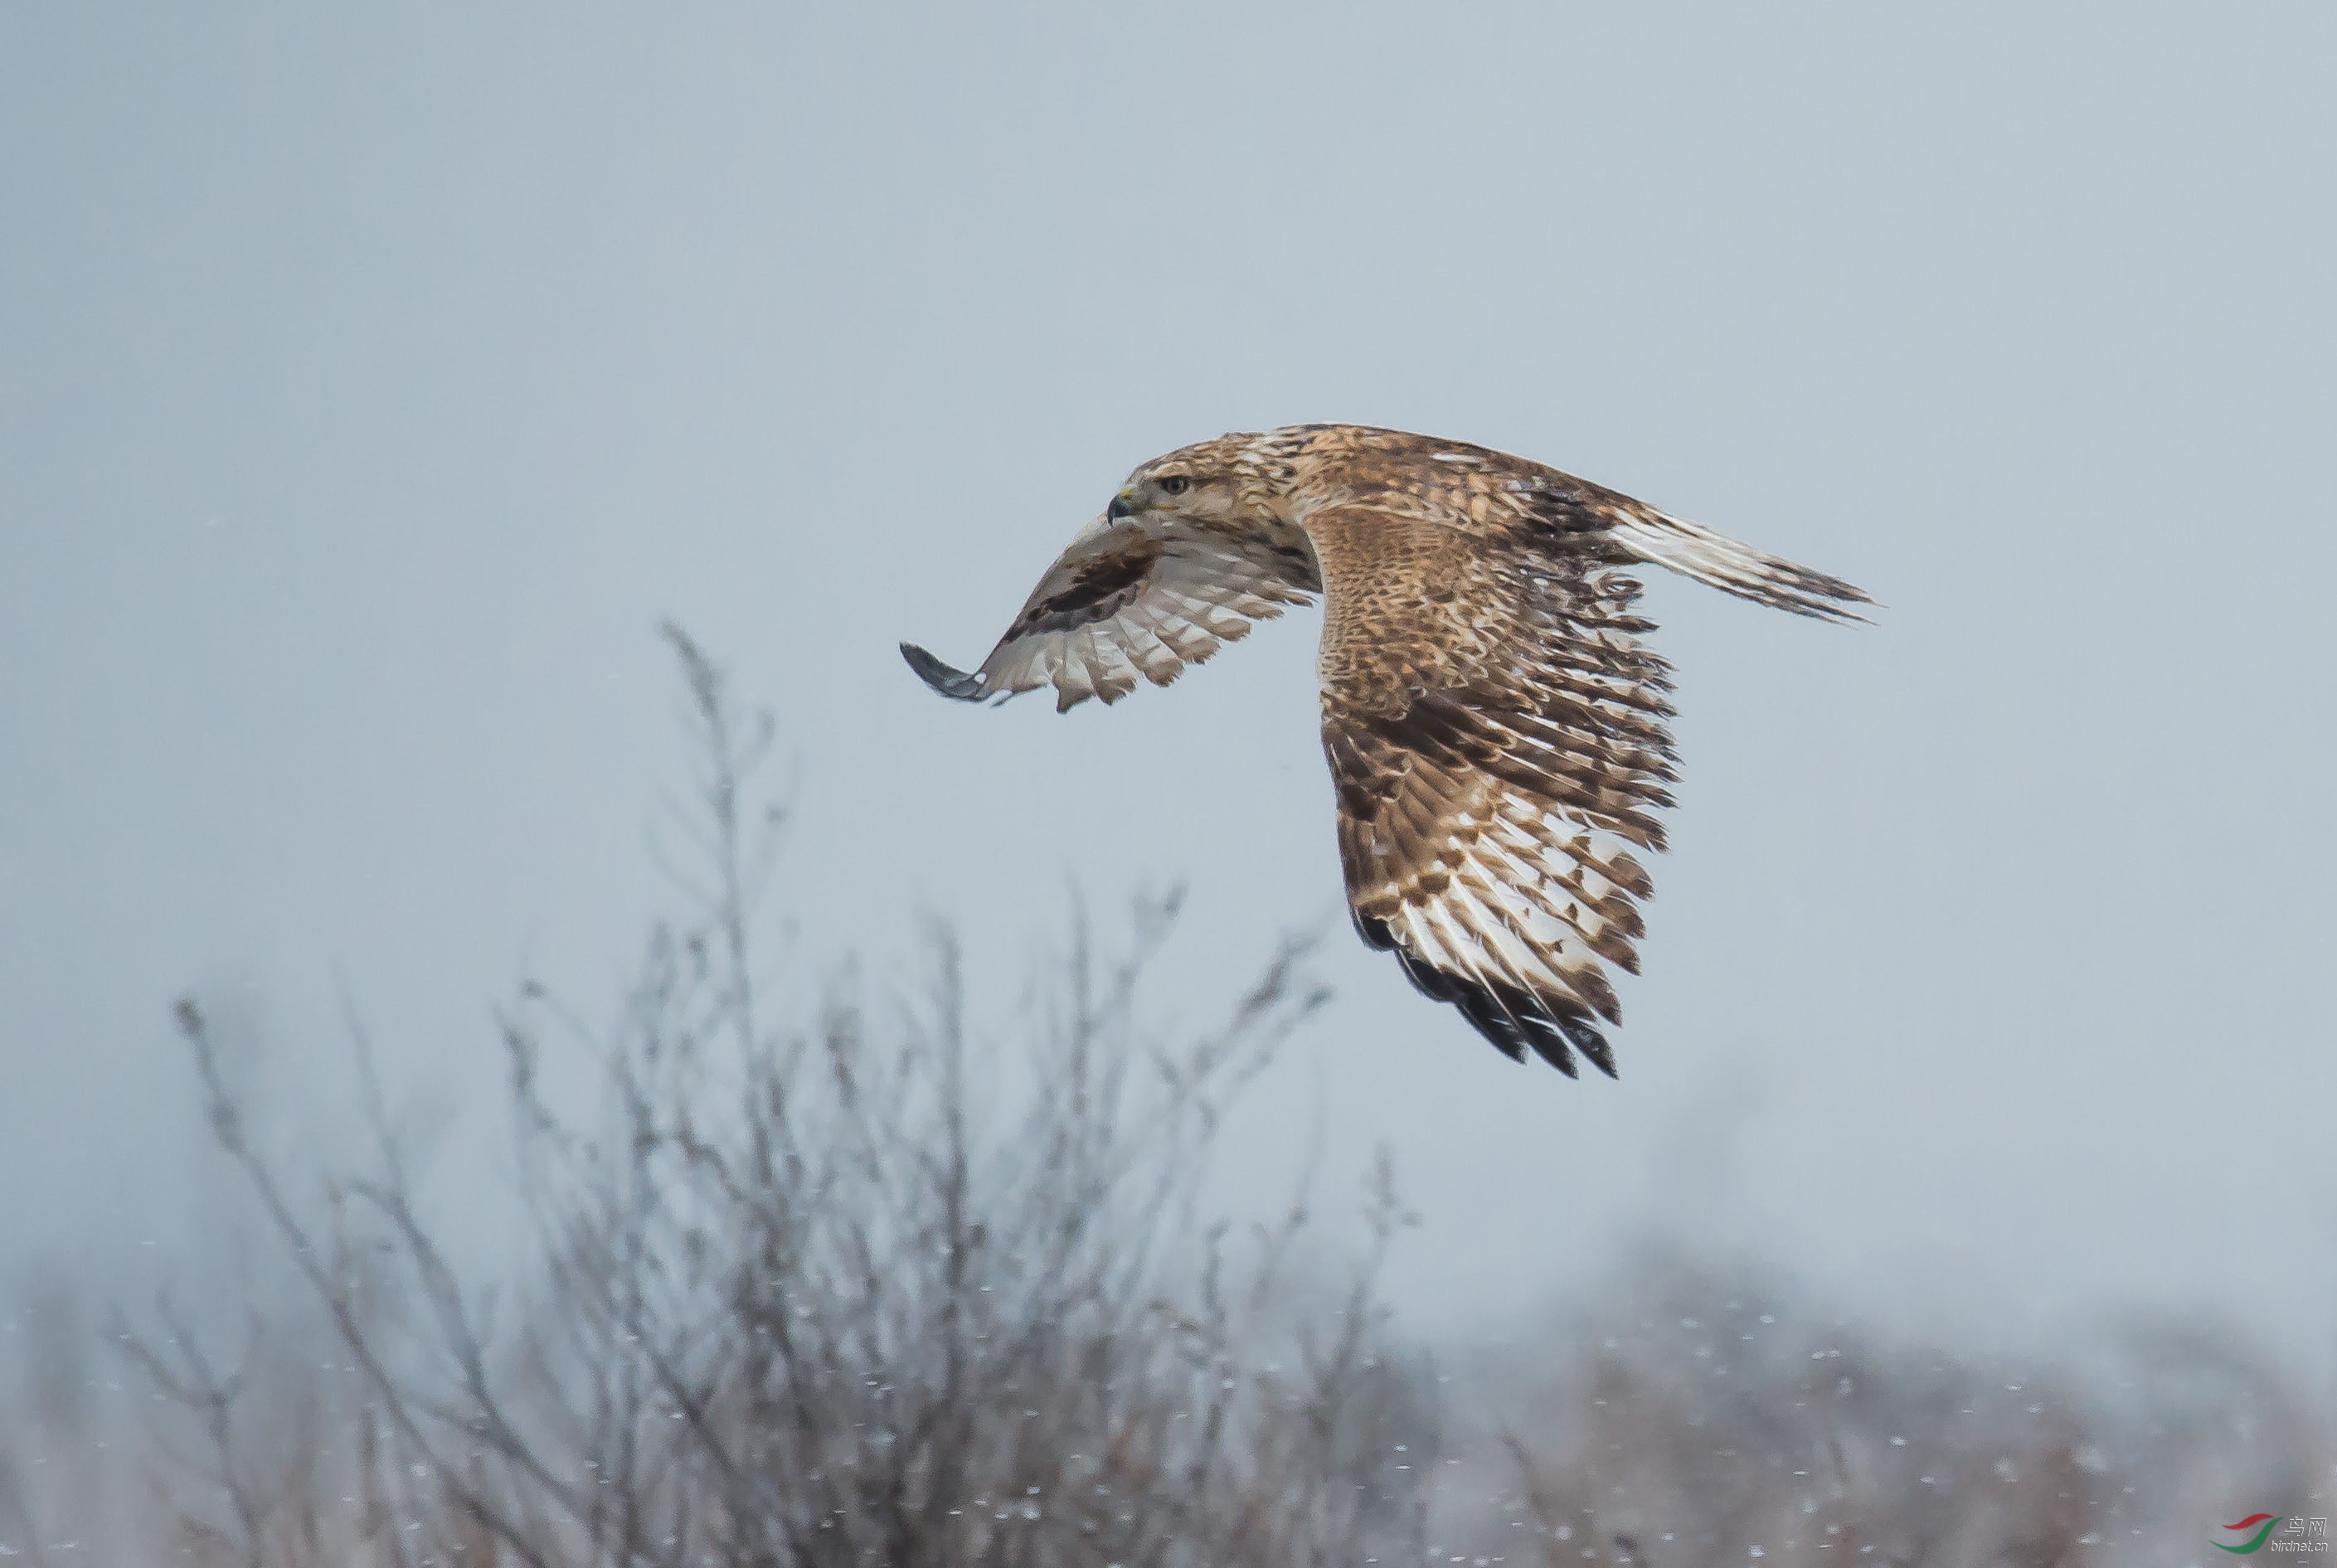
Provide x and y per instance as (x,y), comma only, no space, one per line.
(1494,725)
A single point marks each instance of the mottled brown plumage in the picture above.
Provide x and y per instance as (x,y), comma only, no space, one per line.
(1494,726)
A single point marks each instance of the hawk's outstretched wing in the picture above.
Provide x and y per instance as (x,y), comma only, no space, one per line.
(1496,735)
(1135,596)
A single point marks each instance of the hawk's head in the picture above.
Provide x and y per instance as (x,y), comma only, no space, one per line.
(1208,482)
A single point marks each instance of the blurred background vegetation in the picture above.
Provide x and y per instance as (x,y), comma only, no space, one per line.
(846,1276)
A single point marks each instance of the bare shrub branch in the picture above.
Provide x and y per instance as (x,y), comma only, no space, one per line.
(819,1290)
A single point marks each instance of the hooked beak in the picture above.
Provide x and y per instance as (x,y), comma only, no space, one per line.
(1119,509)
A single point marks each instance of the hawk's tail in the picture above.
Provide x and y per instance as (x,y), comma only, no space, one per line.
(1735,567)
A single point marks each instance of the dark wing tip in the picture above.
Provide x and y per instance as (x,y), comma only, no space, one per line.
(1514,1019)
(1373,930)
(951,683)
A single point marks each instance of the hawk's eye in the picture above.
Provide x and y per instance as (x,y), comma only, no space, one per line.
(1175,484)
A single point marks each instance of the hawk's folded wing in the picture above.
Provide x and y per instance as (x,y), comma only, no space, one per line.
(1496,735)
(1135,596)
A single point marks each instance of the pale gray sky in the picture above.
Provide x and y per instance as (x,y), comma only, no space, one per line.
(372,383)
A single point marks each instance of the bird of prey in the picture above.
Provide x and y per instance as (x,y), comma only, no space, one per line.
(1495,724)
